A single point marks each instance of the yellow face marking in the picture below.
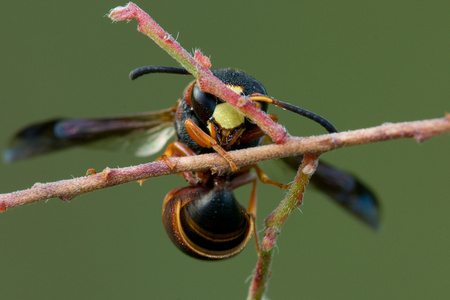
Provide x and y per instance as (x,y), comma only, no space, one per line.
(237,89)
(227,116)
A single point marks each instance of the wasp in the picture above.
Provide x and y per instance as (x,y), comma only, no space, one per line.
(203,219)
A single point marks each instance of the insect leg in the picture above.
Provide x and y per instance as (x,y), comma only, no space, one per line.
(206,141)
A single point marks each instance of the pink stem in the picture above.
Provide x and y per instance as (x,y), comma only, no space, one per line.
(199,67)
(274,223)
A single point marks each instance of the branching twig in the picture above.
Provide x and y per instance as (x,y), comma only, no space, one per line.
(284,146)
(199,67)
(274,223)
(68,189)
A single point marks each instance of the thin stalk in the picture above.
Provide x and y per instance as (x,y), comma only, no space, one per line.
(199,67)
(69,189)
(275,221)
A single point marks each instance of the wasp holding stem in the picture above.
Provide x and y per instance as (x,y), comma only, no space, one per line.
(203,219)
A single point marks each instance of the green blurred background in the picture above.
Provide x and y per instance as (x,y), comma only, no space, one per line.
(359,64)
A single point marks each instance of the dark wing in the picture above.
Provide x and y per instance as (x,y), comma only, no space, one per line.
(145,133)
(345,189)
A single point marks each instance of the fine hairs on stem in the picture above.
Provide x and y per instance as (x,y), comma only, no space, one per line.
(284,146)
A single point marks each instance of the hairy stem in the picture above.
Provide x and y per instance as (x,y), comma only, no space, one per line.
(68,189)
(199,67)
(284,146)
(274,223)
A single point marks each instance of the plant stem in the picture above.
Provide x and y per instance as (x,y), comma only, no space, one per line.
(199,67)
(68,189)
(274,223)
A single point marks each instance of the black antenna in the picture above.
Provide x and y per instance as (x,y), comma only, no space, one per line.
(262,98)
(303,112)
(156,69)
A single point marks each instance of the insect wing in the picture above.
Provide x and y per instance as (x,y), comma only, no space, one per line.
(57,134)
(141,144)
(346,190)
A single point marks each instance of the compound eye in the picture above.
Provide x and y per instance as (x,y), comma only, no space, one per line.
(203,104)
